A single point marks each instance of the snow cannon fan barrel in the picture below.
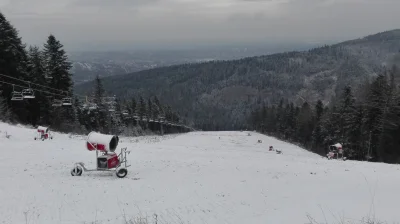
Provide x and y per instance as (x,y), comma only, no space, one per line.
(102,142)
(42,129)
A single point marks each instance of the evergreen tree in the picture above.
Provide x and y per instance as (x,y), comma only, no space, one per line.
(101,114)
(13,63)
(168,113)
(382,113)
(149,109)
(117,124)
(5,113)
(132,107)
(40,107)
(346,115)
(317,134)
(57,65)
(156,108)
(57,71)
(141,108)
(304,124)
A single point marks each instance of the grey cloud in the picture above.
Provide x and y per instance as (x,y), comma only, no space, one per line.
(112,3)
(142,23)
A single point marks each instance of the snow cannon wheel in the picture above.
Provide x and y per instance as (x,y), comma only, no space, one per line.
(121,172)
(77,171)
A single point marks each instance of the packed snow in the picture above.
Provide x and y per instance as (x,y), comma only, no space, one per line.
(199,177)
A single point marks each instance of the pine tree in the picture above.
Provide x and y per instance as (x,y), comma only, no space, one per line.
(156,108)
(5,113)
(101,114)
(149,109)
(117,124)
(304,124)
(98,93)
(346,115)
(40,107)
(132,107)
(168,113)
(57,71)
(382,113)
(317,134)
(377,107)
(57,65)
(13,63)
(280,116)
(141,108)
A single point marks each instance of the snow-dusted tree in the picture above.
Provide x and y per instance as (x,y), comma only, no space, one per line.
(5,113)
(13,63)
(158,108)
(57,65)
(40,107)
(57,71)
(346,115)
(305,123)
(101,113)
(317,134)
(149,109)
(141,109)
(382,112)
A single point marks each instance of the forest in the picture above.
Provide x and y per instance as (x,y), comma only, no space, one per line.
(36,88)
(367,125)
(220,95)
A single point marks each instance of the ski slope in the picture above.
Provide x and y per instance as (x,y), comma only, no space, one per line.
(200,177)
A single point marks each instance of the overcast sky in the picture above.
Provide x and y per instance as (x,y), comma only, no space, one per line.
(109,24)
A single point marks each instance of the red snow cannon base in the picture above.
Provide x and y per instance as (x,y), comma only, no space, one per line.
(108,161)
(94,146)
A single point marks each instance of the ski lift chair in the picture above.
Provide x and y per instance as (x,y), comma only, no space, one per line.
(17,96)
(92,106)
(67,101)
(57,103)
(28,93)
(111,109)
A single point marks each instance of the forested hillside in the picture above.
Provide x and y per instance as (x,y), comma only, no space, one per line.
(366,126)
(36,89)
(221,94)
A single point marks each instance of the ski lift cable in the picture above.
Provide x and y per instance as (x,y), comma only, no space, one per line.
(33,83)
(62,91)
(34,89)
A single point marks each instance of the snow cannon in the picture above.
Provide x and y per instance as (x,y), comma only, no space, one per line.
(102,142)
(43,129)
(107,160)
(336,150)
(43,133)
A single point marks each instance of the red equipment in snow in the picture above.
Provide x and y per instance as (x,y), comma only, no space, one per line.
(109,160)
(43,133)
(334,152)
(105,143)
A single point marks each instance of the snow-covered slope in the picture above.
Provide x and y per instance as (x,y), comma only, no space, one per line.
(201,177)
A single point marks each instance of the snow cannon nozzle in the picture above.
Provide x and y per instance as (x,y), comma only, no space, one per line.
(43,129)
(102,142)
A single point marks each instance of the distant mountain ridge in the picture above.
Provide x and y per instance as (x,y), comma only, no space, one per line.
(87,65)
(222,93)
